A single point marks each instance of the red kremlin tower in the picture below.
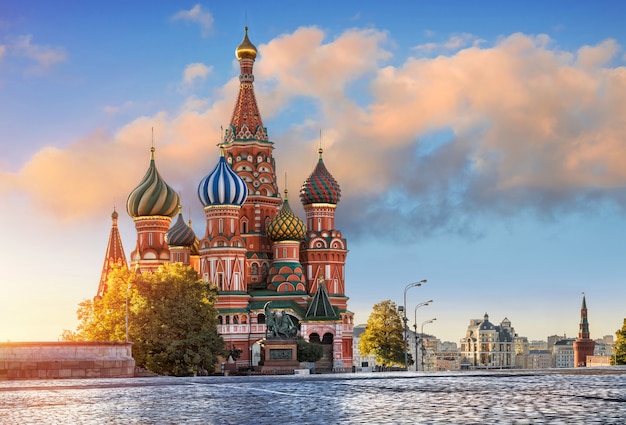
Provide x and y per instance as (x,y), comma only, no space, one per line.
(583,346)
(254,248)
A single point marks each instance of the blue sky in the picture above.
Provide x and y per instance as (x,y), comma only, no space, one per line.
(478,145)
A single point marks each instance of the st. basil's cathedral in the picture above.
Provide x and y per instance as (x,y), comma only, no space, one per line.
(255,249)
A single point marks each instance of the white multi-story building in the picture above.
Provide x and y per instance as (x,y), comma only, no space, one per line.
(563,352)
(487,345)
(539,359)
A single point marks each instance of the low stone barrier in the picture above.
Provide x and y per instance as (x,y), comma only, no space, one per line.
(66,359)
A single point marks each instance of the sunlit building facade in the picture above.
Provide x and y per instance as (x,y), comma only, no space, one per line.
(487,346)
(563,352)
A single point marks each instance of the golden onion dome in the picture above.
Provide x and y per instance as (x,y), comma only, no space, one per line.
(246,50)
(286,226)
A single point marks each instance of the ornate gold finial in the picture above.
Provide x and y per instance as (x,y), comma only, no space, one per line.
(246,50)
(320,150)
(286,191)
(152,146)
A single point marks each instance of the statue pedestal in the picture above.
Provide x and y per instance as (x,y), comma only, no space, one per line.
(279,355)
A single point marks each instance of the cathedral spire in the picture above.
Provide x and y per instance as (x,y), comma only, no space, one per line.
(246,122)
(114,255)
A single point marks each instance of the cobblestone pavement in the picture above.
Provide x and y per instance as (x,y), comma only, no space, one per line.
(378,398)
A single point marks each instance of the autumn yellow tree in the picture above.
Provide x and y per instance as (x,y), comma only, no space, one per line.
(383,335)
(619,350)
(171,319)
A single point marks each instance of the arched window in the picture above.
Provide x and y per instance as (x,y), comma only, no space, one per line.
(220,320)
(328,338)
(254,270)
(235,319)
(228,320)
(260,319)
(315,338)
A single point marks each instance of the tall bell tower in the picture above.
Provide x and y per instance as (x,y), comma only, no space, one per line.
(248,151)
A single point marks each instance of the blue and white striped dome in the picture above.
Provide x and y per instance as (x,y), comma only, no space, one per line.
(222,186)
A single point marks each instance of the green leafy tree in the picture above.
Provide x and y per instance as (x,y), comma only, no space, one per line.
(384,336)
(171,318)
(309,351)
(619,350)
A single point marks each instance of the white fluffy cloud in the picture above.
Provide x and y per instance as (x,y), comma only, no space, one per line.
(199,16)
(453,43)
(194,72)
(44,56)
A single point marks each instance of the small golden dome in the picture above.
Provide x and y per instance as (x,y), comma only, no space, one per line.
(246,49)
(286,225)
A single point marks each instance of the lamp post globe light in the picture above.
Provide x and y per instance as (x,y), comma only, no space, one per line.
(405,320)
(422,339)
(423,304)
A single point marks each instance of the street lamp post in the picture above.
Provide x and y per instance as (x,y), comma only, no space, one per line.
(425,303)
(127,290)
(422,339)
(405,320)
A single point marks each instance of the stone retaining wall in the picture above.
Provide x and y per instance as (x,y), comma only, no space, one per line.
(66,359)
